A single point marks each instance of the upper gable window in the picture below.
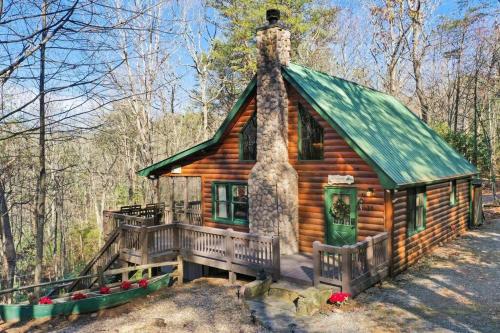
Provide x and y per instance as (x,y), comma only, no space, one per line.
(248,140)
(310,136)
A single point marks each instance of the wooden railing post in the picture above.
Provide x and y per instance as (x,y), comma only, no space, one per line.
(144,241)
(180,270)
(276,258)
(346,272)
(369,255)
(316,263)
(176,234)
(186,206)
(230,254)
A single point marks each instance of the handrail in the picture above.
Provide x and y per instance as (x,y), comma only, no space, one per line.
(112,239)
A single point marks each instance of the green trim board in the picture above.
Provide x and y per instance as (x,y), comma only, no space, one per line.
(386,134)
(161,165)
(229,201)
(23,312)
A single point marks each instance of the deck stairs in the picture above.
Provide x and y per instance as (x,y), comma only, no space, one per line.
(105,258)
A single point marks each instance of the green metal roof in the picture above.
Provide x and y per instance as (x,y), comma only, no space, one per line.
(386,134)
(158,166)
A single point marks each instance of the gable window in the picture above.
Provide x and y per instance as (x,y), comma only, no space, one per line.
(310,136)
(417,205)
(230,202)
(453,193)
(248,140)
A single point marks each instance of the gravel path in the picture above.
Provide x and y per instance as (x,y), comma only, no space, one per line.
(454,289)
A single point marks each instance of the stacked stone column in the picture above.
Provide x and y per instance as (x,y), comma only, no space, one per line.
(273,182)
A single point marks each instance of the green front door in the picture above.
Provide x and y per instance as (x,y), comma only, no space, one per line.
(341,215)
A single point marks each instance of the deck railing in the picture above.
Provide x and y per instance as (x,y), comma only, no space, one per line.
(178,214)
(113,219)
(229,250)
(351,267)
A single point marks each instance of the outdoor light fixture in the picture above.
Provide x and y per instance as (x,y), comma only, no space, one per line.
(370,192)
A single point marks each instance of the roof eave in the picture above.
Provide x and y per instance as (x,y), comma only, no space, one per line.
(154,168)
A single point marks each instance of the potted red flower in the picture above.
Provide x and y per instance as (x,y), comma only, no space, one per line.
(339,298)
(45,300)
(143,283)
(126,285)
(104,290)
(78,296)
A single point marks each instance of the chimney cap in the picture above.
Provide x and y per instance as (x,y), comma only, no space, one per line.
(272,16)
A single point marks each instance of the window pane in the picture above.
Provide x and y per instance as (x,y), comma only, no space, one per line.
(249,140)
(311,136)
(419,220)
(222,210)
(221,192)
(240,211)
(240,193)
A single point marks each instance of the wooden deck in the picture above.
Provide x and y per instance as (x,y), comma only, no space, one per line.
(141,240)
(297,268)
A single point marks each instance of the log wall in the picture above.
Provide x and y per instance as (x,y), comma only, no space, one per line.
(222,163)
(442,223)
(339,159)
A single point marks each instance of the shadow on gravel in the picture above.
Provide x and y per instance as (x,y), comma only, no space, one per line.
(456,288)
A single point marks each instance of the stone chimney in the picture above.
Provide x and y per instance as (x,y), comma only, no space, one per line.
(273,182)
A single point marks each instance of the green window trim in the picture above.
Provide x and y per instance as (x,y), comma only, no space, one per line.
(253,119)
(303,113)
(230,201)
(453,193)
(416,210)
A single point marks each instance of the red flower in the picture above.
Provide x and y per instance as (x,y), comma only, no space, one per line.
(104,290)
(339,297)
(143,283)
(126,285)
(78,296)
(45,300)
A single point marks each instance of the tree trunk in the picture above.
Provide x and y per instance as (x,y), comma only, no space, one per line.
(7,242)
(417,56)
(41,189)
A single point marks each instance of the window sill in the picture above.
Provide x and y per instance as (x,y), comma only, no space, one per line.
(229,222)
(415,232)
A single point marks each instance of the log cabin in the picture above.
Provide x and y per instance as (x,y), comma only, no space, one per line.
(310,157)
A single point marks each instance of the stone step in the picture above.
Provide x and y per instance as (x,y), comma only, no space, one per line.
(273,314)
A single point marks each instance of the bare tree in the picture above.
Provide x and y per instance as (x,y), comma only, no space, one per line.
(390,29)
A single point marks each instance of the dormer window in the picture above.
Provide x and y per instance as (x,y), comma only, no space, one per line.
(310,136)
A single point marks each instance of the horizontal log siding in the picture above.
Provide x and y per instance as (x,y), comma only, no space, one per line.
(339,159)
(442,222)
(221,163)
